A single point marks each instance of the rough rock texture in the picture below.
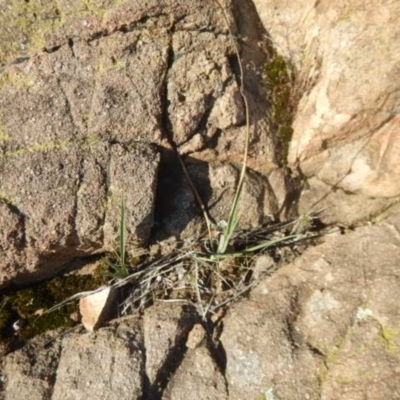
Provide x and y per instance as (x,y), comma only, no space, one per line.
(217,182)
(197,377)
(324,327)
(118,77)
(345,137)
(107,365)
(165,329)
(126,360)
(68,156)
(30,373)
(83,113)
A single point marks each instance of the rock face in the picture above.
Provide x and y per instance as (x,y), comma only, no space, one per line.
(71,149)
(345,129)
(324,327)
(108,364)
(83,116)
(86,121)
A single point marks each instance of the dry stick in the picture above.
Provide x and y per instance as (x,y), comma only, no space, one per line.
(208,307)
(247,139)
(196,277)
(233,298)
(196,194)
(247,114)
(243,95)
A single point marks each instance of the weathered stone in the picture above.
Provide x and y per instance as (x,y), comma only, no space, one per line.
(113,80)
(58,213)
(325,326)
(345,126)
(108,364)
(77,124)
(165,328)
(258,202)
(206,74)
(197,377)
(30,372)
(96,308)
(33,26)
(60,141)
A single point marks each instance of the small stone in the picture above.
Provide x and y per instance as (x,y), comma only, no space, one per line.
(196,337)
(18,324)
(95,308)
(264,264)
(74,316)
(193,145)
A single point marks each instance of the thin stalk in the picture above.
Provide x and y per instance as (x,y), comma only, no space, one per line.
(233,215)
(122,239)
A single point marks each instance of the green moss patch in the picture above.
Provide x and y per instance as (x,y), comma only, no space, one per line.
(29,303)
(279,81)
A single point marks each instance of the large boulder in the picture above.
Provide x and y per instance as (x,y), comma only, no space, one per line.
(85,116)
(345,139)
(324,327)
(108,364)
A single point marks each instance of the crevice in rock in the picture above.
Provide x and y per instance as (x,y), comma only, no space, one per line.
(124,28)
(293,186)
(74,236)
(385,210)
(319,355)
(146,385)
(105,184)
(294,311)
(71,46)
(202,124)
(212,141)
(356,136)
(106,176)
(170,172)
(16,61)
(314,350)
(53,377)
(169,181)
(165,123)
(216,347)
(235,67)
(50,50)
(177,352)
(21,243)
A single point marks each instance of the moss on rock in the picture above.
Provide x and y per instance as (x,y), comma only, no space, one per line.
(25,25)
(29,303)
(279,81)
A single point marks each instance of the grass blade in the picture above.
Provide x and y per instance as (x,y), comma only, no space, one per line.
(232,223)
(233,216)
(122,235)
